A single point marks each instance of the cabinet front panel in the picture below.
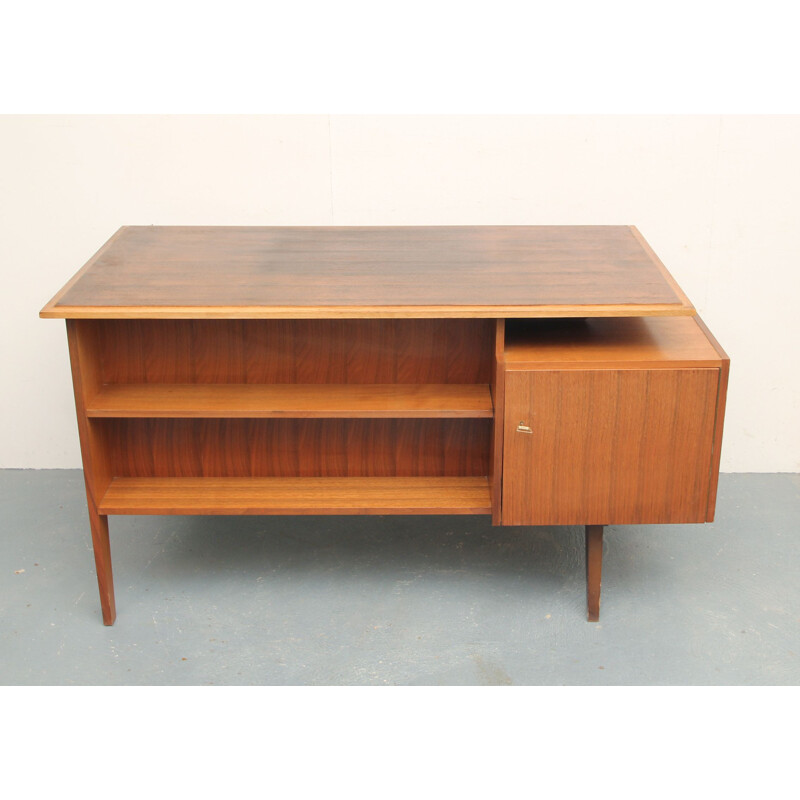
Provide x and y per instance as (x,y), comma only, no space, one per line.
(608,446)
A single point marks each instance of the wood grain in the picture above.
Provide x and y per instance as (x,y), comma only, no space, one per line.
(292,400)
(97,473)
(660,266)
(452,311)
(498,396)
(576,344)
(296,351)
(297,447)
(608,446)
(461,495)
(719,420)
(370,271)
(594,570)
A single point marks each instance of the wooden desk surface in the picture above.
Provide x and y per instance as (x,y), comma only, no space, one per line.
(326,272)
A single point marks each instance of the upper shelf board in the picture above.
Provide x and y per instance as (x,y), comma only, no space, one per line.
(327,272)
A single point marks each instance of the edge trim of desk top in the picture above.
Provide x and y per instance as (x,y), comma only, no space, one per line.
(55,310)
(361,312)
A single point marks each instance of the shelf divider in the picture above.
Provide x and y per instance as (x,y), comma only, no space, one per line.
(291,400)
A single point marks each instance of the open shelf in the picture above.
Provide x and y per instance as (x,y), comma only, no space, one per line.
(290,400)
(429,495)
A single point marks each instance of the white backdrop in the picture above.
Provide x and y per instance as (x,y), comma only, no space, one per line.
(718,198)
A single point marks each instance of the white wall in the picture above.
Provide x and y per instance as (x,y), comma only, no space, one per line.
(718,198)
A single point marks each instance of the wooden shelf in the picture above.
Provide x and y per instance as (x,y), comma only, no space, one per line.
(291,400)
(602,343)
(429,495)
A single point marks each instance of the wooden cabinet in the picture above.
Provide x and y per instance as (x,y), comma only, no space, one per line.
(611,422)
(543,375)
(603,447)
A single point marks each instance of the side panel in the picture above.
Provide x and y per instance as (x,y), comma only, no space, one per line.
(608,446)
(498,399)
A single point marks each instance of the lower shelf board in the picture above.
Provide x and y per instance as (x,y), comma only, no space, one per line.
(461,495)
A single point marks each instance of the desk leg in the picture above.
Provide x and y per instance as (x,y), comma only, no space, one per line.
(87,378)
(594,567)
(102,560)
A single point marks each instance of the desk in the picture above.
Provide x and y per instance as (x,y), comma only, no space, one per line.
(544,375)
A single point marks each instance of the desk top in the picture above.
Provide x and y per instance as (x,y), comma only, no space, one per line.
(326,272)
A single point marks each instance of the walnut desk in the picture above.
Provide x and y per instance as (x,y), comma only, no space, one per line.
(543,375)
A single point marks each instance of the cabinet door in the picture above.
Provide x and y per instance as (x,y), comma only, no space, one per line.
(608,446)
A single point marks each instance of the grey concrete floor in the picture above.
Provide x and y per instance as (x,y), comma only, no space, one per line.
(397,600)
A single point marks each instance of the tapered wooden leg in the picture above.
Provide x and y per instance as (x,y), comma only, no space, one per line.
(102,560)
(594,568)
